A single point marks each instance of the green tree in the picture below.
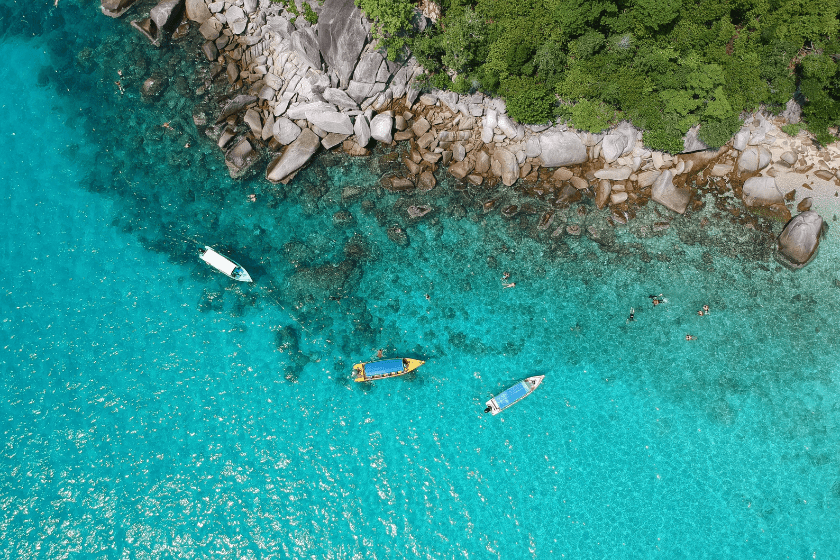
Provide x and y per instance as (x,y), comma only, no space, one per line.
(391,21)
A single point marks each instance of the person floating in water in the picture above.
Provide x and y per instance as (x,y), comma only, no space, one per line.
(632,316)
(690,337)
(505,276)
(486,410)
(379,353)
(706,309)
(656,300)
(511,285)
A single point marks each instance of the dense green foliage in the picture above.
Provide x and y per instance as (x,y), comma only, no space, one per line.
(391,22)
(666,65)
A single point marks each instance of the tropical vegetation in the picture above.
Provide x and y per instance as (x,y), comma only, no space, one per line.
(665,65)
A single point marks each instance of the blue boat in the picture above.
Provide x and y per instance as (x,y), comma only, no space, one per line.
(513,395)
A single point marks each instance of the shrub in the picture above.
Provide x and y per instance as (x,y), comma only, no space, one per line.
(309,14)
(528,101)
(716,133)
(392,19)
(593,115)
(792,129)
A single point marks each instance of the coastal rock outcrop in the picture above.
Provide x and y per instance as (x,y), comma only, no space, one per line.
(761,191)
(305,44)
(341,37)
(754,158)
(282,168)
(508,167)
(668,195)
(116,8)
(799,241)
(285,131)
(198,11)
(162,20)
(558,149)
(380,128)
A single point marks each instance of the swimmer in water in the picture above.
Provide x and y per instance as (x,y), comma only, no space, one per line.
(632,316)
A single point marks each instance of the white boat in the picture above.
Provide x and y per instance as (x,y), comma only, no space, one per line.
(226,266)
(513,395)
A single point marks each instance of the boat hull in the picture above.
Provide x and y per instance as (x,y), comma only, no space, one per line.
(225,265)
(513,395)
(383,369)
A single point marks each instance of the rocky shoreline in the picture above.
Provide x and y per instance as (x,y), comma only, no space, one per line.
(292,89)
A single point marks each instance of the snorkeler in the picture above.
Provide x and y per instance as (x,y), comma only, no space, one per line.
(632,316)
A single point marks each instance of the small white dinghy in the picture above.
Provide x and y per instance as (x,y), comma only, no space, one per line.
(513,395)
(226,266)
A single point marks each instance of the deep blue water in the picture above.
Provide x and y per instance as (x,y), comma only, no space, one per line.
(153,409)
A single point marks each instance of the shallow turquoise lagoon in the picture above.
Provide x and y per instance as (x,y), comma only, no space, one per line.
(153,409)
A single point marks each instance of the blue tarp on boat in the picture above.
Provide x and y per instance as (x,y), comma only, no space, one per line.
(510,396)
(382,367)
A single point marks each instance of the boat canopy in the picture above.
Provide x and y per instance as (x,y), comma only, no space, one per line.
(218,262)
(511,395)
(382,367)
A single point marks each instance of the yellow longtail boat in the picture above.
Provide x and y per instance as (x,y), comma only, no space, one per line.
(380,369)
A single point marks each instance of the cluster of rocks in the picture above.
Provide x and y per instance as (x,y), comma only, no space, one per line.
(307,87)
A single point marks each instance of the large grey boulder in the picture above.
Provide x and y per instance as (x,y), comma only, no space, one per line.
(340,98)
(399,83)
(167,14)
(240,159)
(754,158)
(235,105)
(330,121)
(761,191)
(488,122)
(614,173)
(739,141)
(198,11)
(281,26)
(799,241)
(508,166)
(561,148)
(296,156)
(305,44)
(792,112)
(507,125)
(612,146)
(669,195)
(254,122)
(341,37)
(358,91)
(163,18)
(532,146)
(211,29)
(362,130)
(115,8)
(380,128)
(368,67)
(631,133)
(299,111)
(692,142)
(449,99)
(236,19)
(285,131)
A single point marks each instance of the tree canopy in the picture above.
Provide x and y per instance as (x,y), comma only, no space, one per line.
(666,65)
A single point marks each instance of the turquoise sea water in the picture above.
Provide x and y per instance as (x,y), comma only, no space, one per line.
(153,409)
